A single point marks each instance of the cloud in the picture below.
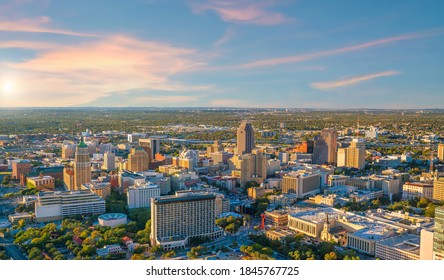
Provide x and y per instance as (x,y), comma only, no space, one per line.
(30,45)
(316,55)
(228,35)
(167,99)
(82,73)
(242,11)
(351,81)
(37,25)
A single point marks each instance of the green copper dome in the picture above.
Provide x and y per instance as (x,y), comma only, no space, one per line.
(82,144)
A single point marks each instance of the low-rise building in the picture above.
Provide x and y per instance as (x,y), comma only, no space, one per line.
(404,247)
(52,206)
(41,182)
(412,190)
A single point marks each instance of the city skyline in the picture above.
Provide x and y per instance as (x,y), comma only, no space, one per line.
(210,53)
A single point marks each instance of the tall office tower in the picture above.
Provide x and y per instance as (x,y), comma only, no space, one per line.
(438,235)
(138,160)
(68,151)
(245,138)
(261,164)
(82,166)
(441,151)
(151,146)
(177,218)
(109,161)
(438,187)
(325,147)
(216,147)
(353,156)
(249,167)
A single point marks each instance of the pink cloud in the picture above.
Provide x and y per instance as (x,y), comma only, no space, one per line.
(31,45)
(351,81)
(316,55)
(228,35)
(78,74)
(242,11)
(38,25)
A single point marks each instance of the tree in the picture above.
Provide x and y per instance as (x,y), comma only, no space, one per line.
(137,257)
(87,251)
(6,180)
(169,254)
(422,203)
(331,256)
(430,210)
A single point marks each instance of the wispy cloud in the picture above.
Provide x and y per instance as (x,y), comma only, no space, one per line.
(37,25)
(242,11)
(316,55)
(30,45)
(85,72)
(167,99)
(228,35)
(351,81)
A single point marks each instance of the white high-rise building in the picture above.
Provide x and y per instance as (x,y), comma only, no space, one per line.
(109,161)
(139,196)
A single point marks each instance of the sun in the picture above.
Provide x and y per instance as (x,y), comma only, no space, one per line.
(7,87)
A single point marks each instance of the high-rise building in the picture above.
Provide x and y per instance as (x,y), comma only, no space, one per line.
(245,138)
(325,147)
(139,196)
(438,187)
(215,148)
(82,166)
(438,235)
(138,160)
(441,151)
(68,178)
(250,167)
(353,156)
(151,146)
(177,218)
(68,151)
(109,161)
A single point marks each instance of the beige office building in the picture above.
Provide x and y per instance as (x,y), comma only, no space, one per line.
(353,156)
(301,183)
(438,187)
(138,160)
(441,151)
(82,166)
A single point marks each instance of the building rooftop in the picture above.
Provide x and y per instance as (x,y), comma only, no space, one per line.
(406,242)
(112,216)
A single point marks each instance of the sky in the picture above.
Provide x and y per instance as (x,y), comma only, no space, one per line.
(214,53)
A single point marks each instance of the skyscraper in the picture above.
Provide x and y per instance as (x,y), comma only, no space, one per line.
(441,151)
(82,166)
(438,187)
(109,161)
(353,156)
(151,146)
(438,235)
(245,138)
(138,160)
(325,147)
